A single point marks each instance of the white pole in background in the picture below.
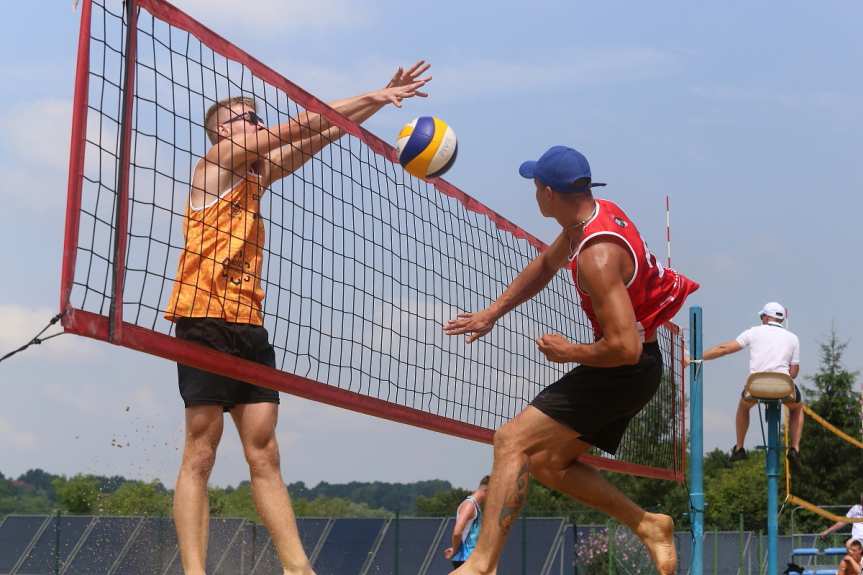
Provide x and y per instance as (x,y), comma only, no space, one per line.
(667,231)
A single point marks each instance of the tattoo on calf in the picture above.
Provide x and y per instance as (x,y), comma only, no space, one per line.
(513,505)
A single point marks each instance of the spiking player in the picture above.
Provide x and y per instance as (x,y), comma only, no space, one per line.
(217,302)
(627,294)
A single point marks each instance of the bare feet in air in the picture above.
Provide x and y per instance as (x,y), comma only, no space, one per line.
(656,531)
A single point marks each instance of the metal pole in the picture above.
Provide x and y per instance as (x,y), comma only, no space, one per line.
(610,533)
(696,441)
(741,544)
(715,552)
(760,556)
(57,543)
(773,413)
(121,209)
(397,544)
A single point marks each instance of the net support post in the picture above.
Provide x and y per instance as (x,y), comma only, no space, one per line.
(774,410)
(696,442)
(121,212)
(76,158)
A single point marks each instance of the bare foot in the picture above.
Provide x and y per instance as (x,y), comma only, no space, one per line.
(656,531)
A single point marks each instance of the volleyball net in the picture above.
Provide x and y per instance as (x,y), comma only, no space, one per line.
(363,263)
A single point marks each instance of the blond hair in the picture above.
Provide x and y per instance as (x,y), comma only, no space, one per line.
(210,117)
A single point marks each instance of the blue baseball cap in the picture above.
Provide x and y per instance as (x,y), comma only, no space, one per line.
(558,168)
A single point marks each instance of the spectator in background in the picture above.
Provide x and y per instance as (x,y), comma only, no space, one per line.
(468,519)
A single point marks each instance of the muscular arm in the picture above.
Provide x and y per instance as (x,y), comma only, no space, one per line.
(527,284)
(722,349)
(234,154)
(603,269)
(287,158)
(533,278)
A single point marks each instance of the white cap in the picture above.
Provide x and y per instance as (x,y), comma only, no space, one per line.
(773,309)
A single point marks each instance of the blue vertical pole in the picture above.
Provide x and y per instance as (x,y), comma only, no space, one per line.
(773,411)
(696,441)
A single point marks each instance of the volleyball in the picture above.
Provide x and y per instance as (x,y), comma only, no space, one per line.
(427,147)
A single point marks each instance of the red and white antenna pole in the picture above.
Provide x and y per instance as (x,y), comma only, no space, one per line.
(667,231)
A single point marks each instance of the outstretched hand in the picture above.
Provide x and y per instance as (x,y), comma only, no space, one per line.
(555,347)
(475,325)
(406,84)
(410,76)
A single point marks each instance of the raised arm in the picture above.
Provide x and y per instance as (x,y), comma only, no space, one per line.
(286,158)
(527,284)
(602,269)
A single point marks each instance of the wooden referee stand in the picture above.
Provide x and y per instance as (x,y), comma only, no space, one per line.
(772,389)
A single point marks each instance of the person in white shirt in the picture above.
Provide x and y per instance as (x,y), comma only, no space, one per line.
(771,348)
(855,512)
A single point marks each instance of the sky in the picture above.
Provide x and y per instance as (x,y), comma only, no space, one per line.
(746,114)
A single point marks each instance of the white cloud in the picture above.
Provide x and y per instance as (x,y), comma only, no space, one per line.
(487,77)
(19,324)
(276,16)
(38,132)
(34,139)
(787,99)
(11,437)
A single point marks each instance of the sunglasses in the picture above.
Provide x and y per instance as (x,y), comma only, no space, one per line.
(250,117)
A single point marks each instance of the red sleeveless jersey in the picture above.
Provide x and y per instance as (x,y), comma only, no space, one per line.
(657,292)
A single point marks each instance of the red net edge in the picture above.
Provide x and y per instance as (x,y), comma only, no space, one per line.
(96,326)
(99,327)
(76,158)
(176,17)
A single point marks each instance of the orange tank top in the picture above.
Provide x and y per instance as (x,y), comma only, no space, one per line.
(219,272)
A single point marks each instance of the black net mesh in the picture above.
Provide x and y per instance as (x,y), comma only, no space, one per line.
(362,263)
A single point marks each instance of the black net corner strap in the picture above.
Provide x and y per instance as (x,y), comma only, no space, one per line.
(37,339)
(361,263)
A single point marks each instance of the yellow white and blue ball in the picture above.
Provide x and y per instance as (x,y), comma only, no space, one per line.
(427,147)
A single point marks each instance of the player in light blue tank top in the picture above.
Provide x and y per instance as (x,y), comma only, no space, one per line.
(467,525)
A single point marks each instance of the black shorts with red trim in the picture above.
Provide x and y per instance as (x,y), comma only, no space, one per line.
(599,402)
(247,341)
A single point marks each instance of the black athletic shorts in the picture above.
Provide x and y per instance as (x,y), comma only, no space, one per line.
(599,402)
(199,387)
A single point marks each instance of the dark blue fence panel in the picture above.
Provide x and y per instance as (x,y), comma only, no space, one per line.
(103,545)
(15,534)
(55,544)
(348,546)
(415,537)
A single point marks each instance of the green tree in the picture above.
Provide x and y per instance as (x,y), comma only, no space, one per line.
(137,498)
(832,470)
(441,504)
(41,481)
(16,497)
(335,507)
(79,494)
(234,502)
